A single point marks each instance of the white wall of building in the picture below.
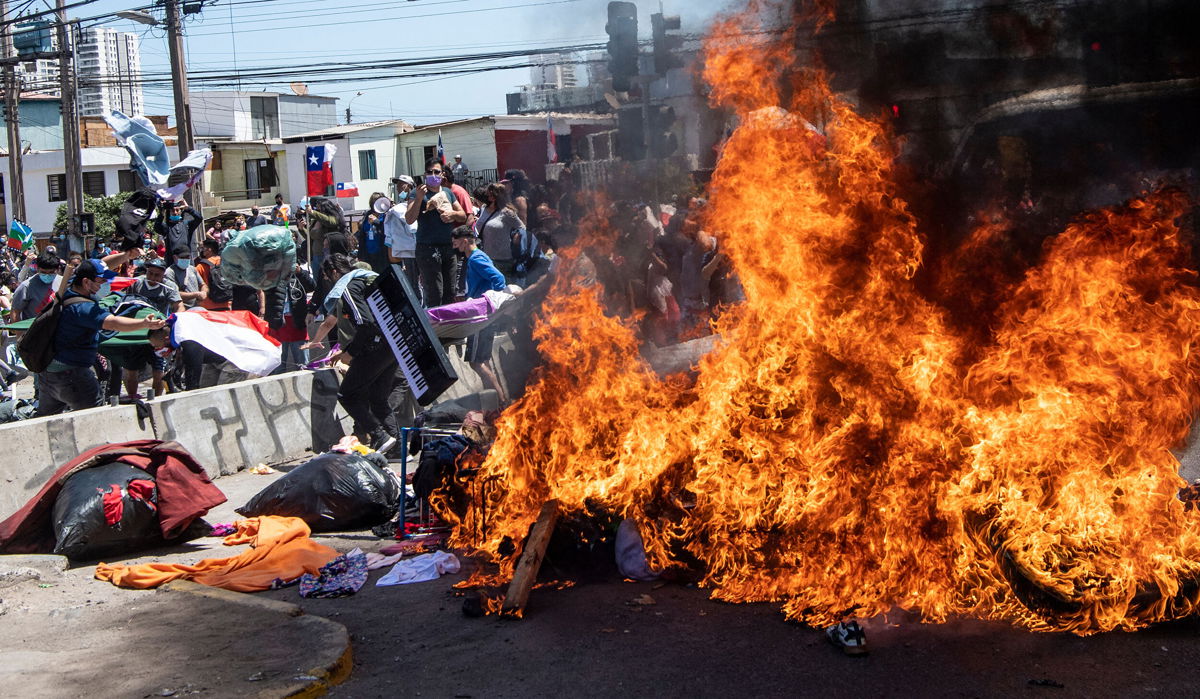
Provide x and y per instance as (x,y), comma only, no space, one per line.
(226,114)
(37,166)
(474,140)
(346,164)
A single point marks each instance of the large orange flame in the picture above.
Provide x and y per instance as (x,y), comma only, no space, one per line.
(846,449)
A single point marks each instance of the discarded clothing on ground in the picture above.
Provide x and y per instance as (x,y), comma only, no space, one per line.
(110,510)
(260,257)
(184,493)
(332,492)
(439,461)
(341,577)
(631,554)
(280,549)
(376,561)
(429,566)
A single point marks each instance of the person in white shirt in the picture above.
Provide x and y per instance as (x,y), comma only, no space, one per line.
(399,235)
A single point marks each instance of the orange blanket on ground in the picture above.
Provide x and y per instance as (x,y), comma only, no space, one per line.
(280,549)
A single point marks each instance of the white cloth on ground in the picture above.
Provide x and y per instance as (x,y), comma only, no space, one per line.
(429,566)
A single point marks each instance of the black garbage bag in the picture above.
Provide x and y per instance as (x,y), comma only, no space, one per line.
(332,492)
(105,511)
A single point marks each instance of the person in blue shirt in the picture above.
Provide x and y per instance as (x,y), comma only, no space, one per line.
(70,383)
(482,276)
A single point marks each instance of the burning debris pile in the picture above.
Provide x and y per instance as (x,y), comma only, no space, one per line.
(846,448)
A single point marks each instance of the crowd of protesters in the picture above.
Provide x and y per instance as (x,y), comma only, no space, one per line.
(450,244)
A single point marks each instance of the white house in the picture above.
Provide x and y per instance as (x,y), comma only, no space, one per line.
(366,156)
(232,115)
(105,172)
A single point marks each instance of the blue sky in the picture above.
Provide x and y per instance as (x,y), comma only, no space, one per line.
(243,35)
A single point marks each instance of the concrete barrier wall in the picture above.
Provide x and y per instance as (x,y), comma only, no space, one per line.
(268,420)
(34,449)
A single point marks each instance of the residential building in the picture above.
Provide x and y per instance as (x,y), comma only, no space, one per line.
(553,72)
(231,115)
(492,144)
(366,155)
(245,132)
(37,74)
(110,71)
(105,172)
(40,121)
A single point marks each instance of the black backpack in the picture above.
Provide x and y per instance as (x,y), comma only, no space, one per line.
(219,290)
(36,345)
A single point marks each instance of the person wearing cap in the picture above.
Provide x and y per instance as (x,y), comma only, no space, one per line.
(185,277)
(399,235)
(157,292)
(460,170)
(70,383)
(482,276)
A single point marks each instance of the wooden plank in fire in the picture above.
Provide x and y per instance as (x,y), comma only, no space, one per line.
(531,561)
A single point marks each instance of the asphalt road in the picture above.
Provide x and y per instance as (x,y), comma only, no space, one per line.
(595,640)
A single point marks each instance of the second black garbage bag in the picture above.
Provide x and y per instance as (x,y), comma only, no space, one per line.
(332,492)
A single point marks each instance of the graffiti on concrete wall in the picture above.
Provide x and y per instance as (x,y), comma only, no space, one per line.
(235,426)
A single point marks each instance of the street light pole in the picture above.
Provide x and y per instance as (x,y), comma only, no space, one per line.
(72,159)
(12,95)
(179,85)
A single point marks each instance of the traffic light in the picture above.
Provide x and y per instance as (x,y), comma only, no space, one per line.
(631,133)
(622,44)
(665,45)
(663,142)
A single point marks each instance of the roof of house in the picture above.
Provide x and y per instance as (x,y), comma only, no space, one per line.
(345,129)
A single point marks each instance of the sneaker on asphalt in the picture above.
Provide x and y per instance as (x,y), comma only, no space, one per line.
(382,441)
(848,636)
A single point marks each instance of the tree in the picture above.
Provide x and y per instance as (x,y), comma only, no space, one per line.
(106,209)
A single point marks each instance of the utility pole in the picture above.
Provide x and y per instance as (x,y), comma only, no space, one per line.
(179,85)
(72,158)
(12,96)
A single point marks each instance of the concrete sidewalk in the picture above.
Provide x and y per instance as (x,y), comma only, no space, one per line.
(65,634)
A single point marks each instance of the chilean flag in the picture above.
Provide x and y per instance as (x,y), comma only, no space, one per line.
(319,166)
(551,142)
(239,336)
(347,189)
(441,150)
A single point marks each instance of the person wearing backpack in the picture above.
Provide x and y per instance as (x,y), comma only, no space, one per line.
(68,382)
(287,311)
(220,291)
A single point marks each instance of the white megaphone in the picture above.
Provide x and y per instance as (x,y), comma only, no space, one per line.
(382,205)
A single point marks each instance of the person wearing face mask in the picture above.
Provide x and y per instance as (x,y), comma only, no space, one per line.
(70,383)
(177,224)
(32,295)
(186,278)
(157,292)
(436,211)
(399,235)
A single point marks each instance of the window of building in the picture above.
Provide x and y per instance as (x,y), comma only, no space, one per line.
(260,176)
(128,181)
(93,184)
(56,185)
(264,117)
(366,165)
